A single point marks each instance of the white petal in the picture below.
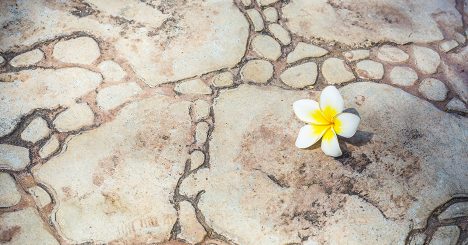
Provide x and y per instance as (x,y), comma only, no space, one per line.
(309,135)
(346,124)
(309,111)
(331,102)
(330,144)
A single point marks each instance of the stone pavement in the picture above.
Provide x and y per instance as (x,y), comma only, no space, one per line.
(171,122)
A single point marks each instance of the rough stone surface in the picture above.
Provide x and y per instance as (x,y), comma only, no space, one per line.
(266,2)
(457,105)
(460,38)
(224,79)
(271,14)
(201,132)
(433,89)
(201,109)
(111,97)
(267,47)
(426,59)
(448,45)
(2,60)
(13,157)
(36,130)
(358,22)
(194,86)
(197,158)
(256,19)
(403,76)
(246,2)
(447,235)
(28,58)
(300,76)
(191,230)
(75,117)
(368,69)
(40,196)
(111,71)
(9,195)
(46,88)
(122,183)
(358,54)
(257,71)
(455,210)
(336,71)
(305,50)
(280,33)
(392,178)
(454,68)
(392,54)
(66,51)
(49,147)
(25,227)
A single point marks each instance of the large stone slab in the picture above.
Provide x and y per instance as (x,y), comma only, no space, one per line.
(117,181)
(407,158)
(358,22)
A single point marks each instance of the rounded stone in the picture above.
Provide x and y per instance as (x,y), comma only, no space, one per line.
(114,96)
(300,76)
(457,105)
(369,69)
(446,235)
(224,79)
(201,110)
(358,54)
(426,59)
(201,132)
(280,33)
(9,195)
(75,117)
(433,89)
(403,76)
(36,130)
(448,45)
(257,71)
(392,54)
(81,50)
(2,60)
(111,71)
(49,147)
(13,157)
(28,58)
(271,14)
(305,50)
(194,86)
(267,47)
(256,19)
(40,196)
(197,158)
(336,71)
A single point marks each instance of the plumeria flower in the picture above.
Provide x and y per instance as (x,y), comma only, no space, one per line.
(325,120)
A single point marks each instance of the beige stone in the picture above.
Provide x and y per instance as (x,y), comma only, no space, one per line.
(305,50)
(392,54)
(447,235)
(25,227)
(81,50)
(36,130)
(257,71)
(2,60)
(191,230)
(27,59)
(224,79)
(358,54)
(266,46)
(74,118)
(256,19)
(9,195)
(201,132)
(266,2)
(40,196)
(368,69)
(448,45)
(433,89)
(246,2)
(426,59)
(335,71)
(41,88)
(201,110)
(111,97)
(280,33)
(194,86)
(403,76)
(271,14)
(49,147)
(197,158)
(457,105)
(124,174)
(111,71)
(300,76)
(13,157)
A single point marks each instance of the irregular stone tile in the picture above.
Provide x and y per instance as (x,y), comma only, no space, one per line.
(459,38)
(267,47)
(111,97)
(246,2)
(75,117)
(36,130)
(191,231)
(447,235)
(257,71)
(111,71)
(201,132)
(224,79)
(41,88)
(25,227)
(406,159)
(403,76)
(280,33)
(362,22)
(457,105)
(256,19)
(300,76)
(305,50)
(2,60)
(358,54)
(426,59)
(369,69)
(49,147)
(124,174)
(446,46)
(335,71)
(81,50)
(201,109)
(266,2)
(454,68)
(197,158)
(26,59)
(13,157)
(271,14)
(194,86)
(455,210)
(392,54)
(417,239)
(9,195)
(41,197)
(433,89)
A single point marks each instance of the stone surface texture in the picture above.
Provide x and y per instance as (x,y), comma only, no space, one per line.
(74,118)
(266,47)
(257,71)
(66,51)
(335,71)
(194,86)
(111,97)
(27,58)
(13,157)
(426,59)
(368,69)
(433,89)
(9,195)
(304,50)
(403,76)
(300,76)
(36,130)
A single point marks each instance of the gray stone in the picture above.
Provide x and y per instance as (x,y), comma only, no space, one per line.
(300,76)
(457,105)
(201,110)
(335,71)
(36,130)
(111,71)
(75,117)
(271,14)
(280,33)
(433,89)
(194,86)
(13,157)
(460,38)
(392,54)
(49,147)
(27,59)
(81,50)
(358,54)
(445,235)
(256,19)
(266,46)
(403,76)
(257,71)
(426,59)
(9,195)
(454,68)
(455,210)
(114,96)
(222,80)
(369,69)
(448,45)
(305,50)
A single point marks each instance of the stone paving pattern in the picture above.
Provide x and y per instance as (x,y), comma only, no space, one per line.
(171,122)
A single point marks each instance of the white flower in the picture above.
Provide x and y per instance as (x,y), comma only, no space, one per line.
(325,120)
